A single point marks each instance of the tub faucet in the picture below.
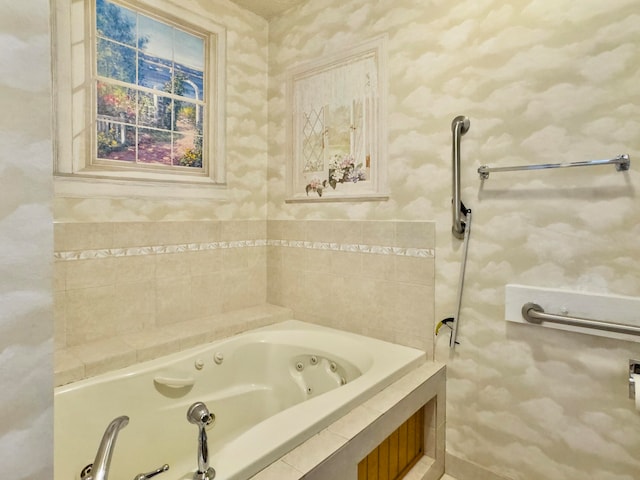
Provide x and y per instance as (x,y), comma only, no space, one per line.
(99,469)
(199,415)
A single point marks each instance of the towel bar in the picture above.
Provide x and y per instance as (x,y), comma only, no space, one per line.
(621,162)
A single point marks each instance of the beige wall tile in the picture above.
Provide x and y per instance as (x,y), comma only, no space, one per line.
(134,307)
(235,290)
(317,231)
(89,313)
(378,233)
(415,234)
(235,258)
(59,236)
(257,230)
(275,286)
(380,267)
(86,236)
(136,268)
(59,276)
(206,231)
(205,262)
(291,230)
(133,234)
(234,230)
(173,299)
(293,258)
(318,261)
(171,265)
(206,294)
(417,270)
(90,273)
(349,263)
(346,232)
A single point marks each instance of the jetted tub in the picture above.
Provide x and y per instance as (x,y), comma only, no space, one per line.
(270,389)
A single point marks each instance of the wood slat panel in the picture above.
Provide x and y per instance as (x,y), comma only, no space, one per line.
(397,454)
(402,445)
(383,460)
(372,465)
(363,471)
(411,437)
(394,466)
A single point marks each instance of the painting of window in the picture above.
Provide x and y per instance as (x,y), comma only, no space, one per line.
(149,90)
(337,148)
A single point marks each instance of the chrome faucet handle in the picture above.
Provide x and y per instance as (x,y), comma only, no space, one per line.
(144,476)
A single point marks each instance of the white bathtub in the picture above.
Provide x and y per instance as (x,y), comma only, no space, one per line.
(270,389)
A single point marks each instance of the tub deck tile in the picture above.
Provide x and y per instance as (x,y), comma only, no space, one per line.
(105,355)
(355,421)
(150,345)
(278,471)
(69,367)
(314,451)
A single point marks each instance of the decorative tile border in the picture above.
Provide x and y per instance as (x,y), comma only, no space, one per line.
(198,247)
(155,250)
(355,248)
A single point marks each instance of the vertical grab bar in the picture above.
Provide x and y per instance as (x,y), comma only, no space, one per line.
(459,127)
(460,229)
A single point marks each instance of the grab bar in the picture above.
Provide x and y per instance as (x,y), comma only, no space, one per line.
(621,162)
(534,313)
(459,127)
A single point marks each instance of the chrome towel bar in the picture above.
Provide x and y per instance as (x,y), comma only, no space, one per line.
(534,313)
(621,162)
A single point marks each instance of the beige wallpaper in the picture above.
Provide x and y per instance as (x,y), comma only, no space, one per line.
(541,82)
(26,320)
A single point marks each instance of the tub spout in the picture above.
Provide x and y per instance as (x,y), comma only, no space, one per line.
(199,415)
(99,469)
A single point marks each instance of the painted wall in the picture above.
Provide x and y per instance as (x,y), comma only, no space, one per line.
(26,237)
(541,82)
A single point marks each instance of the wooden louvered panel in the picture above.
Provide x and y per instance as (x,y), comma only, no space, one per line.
(397,454)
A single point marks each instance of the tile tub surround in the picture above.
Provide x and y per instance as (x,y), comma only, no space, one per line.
(126,292)
(112,279)
(371,277)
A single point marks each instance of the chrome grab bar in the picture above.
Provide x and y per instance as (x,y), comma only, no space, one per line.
(534,313)
(621,162)
(459,127)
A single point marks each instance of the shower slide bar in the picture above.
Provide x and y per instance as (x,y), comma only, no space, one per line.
(621,162)
(534,313)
